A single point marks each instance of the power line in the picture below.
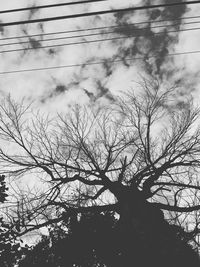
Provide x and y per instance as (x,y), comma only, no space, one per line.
(91,41)
(97,62)
(101,12)
(49,6)
(100,33)
(97,28)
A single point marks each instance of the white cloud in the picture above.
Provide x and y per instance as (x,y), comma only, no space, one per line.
(35,84)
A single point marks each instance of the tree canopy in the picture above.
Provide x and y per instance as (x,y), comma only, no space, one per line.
(11,249)
(137,157)
(97,240)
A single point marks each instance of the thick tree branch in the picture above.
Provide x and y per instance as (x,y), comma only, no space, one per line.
(123,169)
(177,185)
(77,177)
(176,208)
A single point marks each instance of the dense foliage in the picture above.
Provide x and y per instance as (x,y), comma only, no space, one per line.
(98,240)
(11,248)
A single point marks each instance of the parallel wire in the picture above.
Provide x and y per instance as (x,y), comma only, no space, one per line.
(101,33)
(97,62)
(101,12)
(98,28)
(48,6)
(93,41)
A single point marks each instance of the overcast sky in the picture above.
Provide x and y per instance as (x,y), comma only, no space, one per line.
(57,88)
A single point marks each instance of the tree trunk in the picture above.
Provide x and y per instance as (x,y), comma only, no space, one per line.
(140,227)
(145,238)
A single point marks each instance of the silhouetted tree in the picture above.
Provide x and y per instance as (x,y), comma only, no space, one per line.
(138,157)
(79,245)
(97,240)
(10,248)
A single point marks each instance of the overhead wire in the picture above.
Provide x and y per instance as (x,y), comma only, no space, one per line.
(97,62)
(101,33)
(101,40)
(48,6)
(101,12)
(97,28)
(91,41)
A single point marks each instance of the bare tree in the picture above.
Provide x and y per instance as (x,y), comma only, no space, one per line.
(137,156)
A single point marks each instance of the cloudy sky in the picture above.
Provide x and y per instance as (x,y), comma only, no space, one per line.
(143,43)
(148,50)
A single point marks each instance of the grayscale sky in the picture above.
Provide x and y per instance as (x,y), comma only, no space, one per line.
(55,89)
(145,48)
